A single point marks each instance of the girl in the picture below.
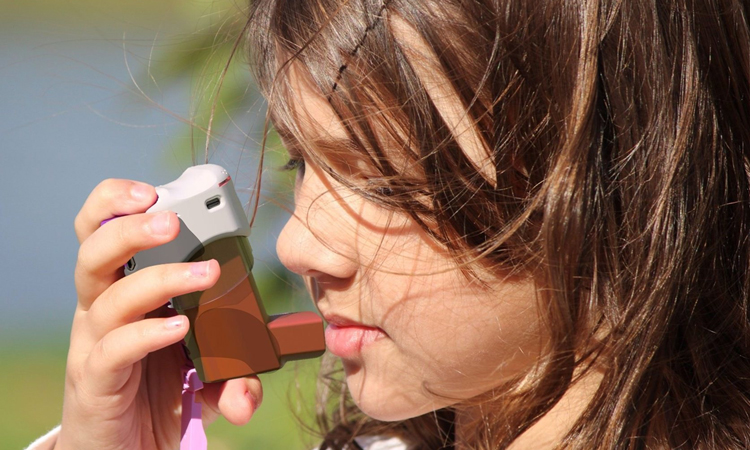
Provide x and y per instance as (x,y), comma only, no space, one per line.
(525,222)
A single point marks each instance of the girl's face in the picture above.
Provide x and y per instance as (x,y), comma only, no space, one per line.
(413,332)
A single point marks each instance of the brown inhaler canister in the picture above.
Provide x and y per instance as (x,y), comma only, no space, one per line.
(230,333)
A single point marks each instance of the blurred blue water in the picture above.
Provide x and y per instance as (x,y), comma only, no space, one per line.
(67,121)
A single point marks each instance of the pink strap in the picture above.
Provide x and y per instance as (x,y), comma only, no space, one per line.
(193,437)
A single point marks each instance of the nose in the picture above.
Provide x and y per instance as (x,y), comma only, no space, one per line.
(317,241)
(304,252)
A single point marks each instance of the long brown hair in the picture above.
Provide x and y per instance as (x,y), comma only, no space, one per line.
(618,134)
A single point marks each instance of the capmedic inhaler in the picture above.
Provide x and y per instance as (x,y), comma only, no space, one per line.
(230,333)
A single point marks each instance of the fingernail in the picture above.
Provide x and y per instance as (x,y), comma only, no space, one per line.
(253,402)
(140,191)
(160,223)
(175,322)
(199,269)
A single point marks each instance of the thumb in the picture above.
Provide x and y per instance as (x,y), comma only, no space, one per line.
(235,399)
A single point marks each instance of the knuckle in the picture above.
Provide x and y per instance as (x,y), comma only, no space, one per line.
(144,331)
(104,349)
(77,372)
(109,301)
(165,275)
(114,190)
(125,236)
(78,225)
(72,372)
(122,236)
(83,262)
(108,188)
(156,280)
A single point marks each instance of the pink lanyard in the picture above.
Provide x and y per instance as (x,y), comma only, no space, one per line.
(192,436)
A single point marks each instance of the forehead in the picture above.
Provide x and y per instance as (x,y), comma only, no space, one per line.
(311,120)
(312,117)
(310,125)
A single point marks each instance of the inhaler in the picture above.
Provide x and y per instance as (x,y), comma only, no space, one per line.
(230,333)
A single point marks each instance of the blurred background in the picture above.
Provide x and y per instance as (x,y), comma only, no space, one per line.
(96,89)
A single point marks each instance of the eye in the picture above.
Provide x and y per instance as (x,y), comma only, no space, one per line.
(295,163)
(385,191)
(379,187)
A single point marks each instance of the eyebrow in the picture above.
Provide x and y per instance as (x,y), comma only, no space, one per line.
(328,144)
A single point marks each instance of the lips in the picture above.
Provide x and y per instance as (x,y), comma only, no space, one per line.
(346,338)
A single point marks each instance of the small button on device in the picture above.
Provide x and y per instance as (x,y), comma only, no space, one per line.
(213,202)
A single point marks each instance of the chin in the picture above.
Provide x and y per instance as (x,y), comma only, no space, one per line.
(385,412)
(387,403)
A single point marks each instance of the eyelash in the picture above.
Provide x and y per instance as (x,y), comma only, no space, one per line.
(297,163)
(380,189)
(294,163)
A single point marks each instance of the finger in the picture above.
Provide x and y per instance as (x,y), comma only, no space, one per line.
(237,400)
(102,256)
(111,198)
(110,363)
(146,290)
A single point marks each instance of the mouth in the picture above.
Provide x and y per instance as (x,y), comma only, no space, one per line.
(346,338)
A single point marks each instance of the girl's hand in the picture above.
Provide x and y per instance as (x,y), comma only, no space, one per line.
(123,380)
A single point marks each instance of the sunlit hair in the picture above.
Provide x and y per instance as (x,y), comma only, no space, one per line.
(618,141)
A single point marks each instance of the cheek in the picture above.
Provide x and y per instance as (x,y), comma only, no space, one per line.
(448,339)
(446,344)
(470,341)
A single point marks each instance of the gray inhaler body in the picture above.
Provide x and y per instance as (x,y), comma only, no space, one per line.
(230,333)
